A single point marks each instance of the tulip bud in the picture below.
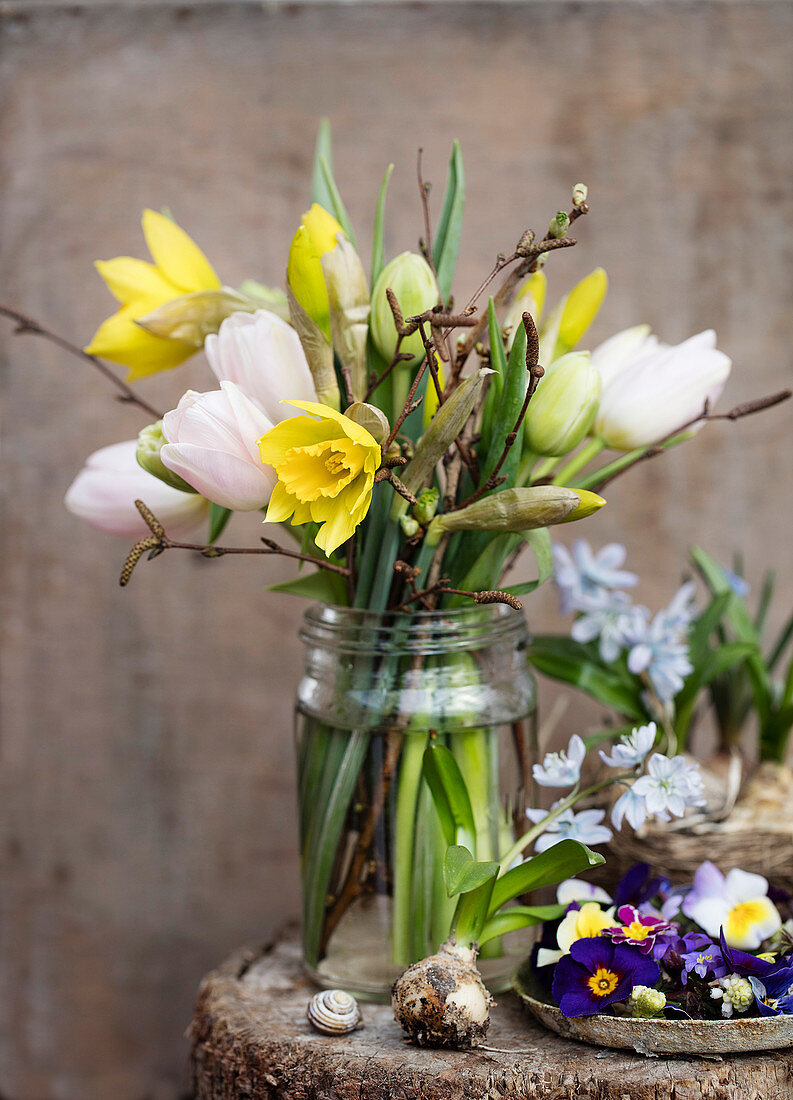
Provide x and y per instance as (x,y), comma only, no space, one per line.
(571,318)
(564,407)
(104,494)
(580,192)
(559,224)
(516,510)
(191,318)
(370,417)
(427,506)
(150,441)
(318,234)
(412,281)
(660,390)
(410,526)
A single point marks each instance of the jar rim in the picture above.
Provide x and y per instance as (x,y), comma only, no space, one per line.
(365,630)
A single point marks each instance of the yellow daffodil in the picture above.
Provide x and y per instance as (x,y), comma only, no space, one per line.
(325,468)
(179,268)
(317,235)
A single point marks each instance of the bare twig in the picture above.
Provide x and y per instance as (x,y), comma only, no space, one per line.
(747,408)
(385,474)
(424,192)
(159,541)
(126,393)
(491,595)
(505,292)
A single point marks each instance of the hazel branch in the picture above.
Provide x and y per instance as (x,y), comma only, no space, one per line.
(442,587)
(747,408)
(25,324)
(386,474)
(158,541)
(425,244)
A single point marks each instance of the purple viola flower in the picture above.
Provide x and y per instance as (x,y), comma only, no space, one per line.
(746,965)
(637,885)
(638,929)
(704,959)
(774,994)
(597,973)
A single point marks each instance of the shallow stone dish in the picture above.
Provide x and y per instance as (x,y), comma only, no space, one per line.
(734,1036)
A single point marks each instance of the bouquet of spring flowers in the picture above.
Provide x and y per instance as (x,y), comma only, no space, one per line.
(720,947)
(406,448)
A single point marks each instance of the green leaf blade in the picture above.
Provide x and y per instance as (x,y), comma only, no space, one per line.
(447,236)
(562,860)
(450,795)
(378,239)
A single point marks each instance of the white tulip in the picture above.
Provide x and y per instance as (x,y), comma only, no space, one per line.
(104,494)
(651,389)
(212,445)
(263,355)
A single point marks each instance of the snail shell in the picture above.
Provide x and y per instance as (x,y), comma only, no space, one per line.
(334,1012)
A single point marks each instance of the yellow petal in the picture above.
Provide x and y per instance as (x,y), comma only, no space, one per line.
(341,516)
(120,340)
(349,427)
(297,431)
(177,255)
(130,280)
(322,227)
(537,285)
(281,506)
(581,308)
(306,280)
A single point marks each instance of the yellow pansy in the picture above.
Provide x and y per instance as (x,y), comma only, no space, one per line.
(317,235)
(179,268)
(325,468)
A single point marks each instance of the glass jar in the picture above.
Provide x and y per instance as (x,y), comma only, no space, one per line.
(376,688)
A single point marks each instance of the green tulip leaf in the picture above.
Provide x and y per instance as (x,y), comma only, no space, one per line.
(449,794)
(447,237)
(218,518)
(462,873)
(517,917)
(560,861)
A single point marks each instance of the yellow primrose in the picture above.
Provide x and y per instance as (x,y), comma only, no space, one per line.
(589,920)
(179,268)
(325,468)
(317,235)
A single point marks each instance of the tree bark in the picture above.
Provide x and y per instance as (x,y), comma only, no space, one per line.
(251,1040)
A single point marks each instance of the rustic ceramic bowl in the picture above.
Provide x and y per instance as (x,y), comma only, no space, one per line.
(687,1037)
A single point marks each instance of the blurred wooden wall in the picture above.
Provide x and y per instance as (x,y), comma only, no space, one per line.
(147,803)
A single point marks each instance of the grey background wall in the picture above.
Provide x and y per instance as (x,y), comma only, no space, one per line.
(147,805)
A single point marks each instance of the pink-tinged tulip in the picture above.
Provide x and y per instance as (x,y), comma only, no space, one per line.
(104,494)
(650,390)
(212,445)
(263,355)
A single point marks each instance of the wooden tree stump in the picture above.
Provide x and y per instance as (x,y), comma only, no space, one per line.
(251,1040)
